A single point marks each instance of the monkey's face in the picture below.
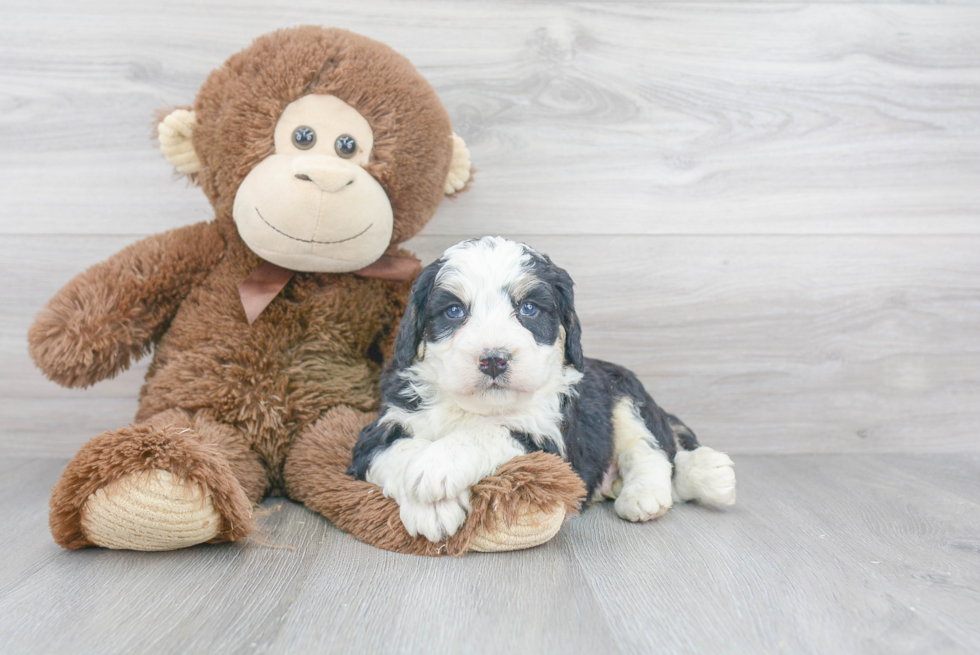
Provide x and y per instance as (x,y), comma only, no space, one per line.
(311,206)
(311,182)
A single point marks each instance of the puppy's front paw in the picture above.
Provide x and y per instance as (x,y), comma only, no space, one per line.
(442,470)
(435,521)
(638,502)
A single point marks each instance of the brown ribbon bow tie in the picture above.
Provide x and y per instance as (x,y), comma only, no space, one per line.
(264,283)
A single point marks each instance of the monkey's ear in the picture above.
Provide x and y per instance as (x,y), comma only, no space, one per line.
(459,167)
(175,132)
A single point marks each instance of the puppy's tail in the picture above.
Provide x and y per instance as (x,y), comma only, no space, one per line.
(701,474)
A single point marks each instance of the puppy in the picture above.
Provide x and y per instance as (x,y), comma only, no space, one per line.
(487,366)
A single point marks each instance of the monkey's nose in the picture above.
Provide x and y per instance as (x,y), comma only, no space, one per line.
(330,177)
(494,363)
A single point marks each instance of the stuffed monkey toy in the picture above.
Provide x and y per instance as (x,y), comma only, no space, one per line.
(320,151)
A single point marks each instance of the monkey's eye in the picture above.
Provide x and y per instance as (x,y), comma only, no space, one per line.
(455,311)
(529,309)
(304,137)
(346,146)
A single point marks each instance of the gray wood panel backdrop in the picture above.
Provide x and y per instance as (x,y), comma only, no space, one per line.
(770,210)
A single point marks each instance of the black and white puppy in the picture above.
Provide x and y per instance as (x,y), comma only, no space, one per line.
(488,365)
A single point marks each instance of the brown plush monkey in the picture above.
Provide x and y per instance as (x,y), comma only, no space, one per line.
(320,150)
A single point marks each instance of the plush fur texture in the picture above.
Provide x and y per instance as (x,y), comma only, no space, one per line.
(227,404)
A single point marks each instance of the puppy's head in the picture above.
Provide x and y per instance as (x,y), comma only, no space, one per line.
(490,322)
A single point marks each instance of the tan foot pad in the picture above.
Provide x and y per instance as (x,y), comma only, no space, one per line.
(151,510)
(533,528)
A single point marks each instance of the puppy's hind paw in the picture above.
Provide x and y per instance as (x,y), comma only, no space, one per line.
(706,476)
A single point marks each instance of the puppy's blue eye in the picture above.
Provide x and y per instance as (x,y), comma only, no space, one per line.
(455,311)
(529,309)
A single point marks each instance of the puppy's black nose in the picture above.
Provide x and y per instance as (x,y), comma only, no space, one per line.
(494,363)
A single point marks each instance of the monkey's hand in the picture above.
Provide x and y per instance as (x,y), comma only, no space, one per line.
(109,316)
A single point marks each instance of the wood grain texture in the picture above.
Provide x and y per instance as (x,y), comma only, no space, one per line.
(765,345)
(770,209)
(584,118)
(535,603)
(823,554)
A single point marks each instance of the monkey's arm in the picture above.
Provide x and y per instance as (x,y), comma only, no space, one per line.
(108,316)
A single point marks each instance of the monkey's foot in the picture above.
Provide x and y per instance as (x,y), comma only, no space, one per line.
(532,528)
(150,510)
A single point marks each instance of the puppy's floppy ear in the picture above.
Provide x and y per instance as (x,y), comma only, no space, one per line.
(412,326)
(565,298)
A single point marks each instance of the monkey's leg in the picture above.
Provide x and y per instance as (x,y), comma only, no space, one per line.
(522,505)
(170,482)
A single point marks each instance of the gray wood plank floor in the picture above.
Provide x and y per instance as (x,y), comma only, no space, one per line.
(823,554)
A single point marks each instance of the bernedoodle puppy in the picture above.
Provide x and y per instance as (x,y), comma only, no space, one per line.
(488,365)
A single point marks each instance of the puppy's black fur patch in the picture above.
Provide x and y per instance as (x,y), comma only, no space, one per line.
(557,283)
(588,429)
(438,325)
(373,439)
(544,324)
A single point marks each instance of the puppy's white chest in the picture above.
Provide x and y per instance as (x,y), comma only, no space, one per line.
(440,422)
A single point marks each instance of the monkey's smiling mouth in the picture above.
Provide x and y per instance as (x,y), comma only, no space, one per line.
(289,236)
